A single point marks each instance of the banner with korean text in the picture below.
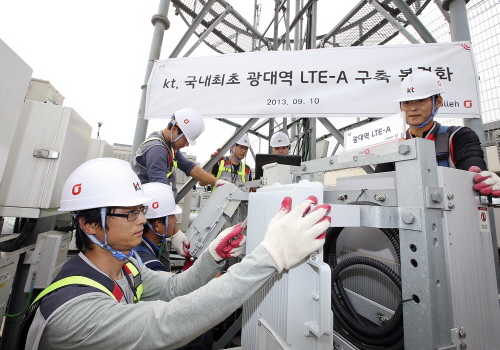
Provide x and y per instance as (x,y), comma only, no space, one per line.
(336,82)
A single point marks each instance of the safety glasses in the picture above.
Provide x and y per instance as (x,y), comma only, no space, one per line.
(133,214)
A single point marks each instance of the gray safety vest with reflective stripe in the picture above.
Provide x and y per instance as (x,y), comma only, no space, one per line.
(226,172)
(75,279)
(155,139)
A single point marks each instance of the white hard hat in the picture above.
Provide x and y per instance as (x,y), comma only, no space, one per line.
(280,139)
(244,141)
(419,85)
(102,182)
(190,121)
(163,202)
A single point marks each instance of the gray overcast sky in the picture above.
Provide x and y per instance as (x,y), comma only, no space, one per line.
(95,54)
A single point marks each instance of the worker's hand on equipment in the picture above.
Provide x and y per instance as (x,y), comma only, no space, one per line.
(294,234)
(486,182)
(220,182)
(229,243)
(180,243)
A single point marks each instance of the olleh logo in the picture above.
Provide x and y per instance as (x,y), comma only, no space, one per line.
(76,189)
(155,205)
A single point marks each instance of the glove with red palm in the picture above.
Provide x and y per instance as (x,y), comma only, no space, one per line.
(486,182)
(293,234)
(229,243)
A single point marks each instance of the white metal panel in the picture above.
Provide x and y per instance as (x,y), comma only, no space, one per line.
(31,182)
(291,301)
(470,262)
(43,91)
(15,77)
(100,149)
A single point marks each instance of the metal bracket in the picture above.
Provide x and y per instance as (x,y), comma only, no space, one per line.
(455,339)
(391,217)
(238,196)
(45,153)
(387,197)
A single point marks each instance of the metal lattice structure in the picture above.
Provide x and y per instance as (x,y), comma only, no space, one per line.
(232,34)
(366,26)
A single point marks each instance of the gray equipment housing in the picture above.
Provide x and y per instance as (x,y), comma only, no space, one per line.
(447,266)
(217,211)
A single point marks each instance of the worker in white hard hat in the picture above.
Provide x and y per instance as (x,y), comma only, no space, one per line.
(159,155)
(104,299)
(161,219)
(456,146)
(420,98)
(280,143)
(232,168)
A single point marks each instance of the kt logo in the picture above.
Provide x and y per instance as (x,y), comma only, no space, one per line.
(155,205)
(468,104)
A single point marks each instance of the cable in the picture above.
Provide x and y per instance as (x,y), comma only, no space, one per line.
(24,309)
(348,322)
(28,227)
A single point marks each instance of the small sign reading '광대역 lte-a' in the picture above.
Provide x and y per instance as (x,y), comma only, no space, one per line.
(383,130)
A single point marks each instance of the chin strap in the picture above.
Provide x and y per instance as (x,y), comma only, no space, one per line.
(234,156)
(117,254)
(163,236)
(433,113)
(174,123)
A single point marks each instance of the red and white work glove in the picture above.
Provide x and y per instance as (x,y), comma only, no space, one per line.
(294,234)
(486,182)
(180,243)
(229,243)
(221,183)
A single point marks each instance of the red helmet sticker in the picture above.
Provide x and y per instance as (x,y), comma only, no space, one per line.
(77,189)
(186,121)
(155,205)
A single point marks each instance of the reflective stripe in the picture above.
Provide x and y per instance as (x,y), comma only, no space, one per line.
(174,165)
(174,162)
(222,168)
(85,281)
(73,280)
(137,280)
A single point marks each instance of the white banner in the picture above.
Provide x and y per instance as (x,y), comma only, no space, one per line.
(337,82)
(383,130)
